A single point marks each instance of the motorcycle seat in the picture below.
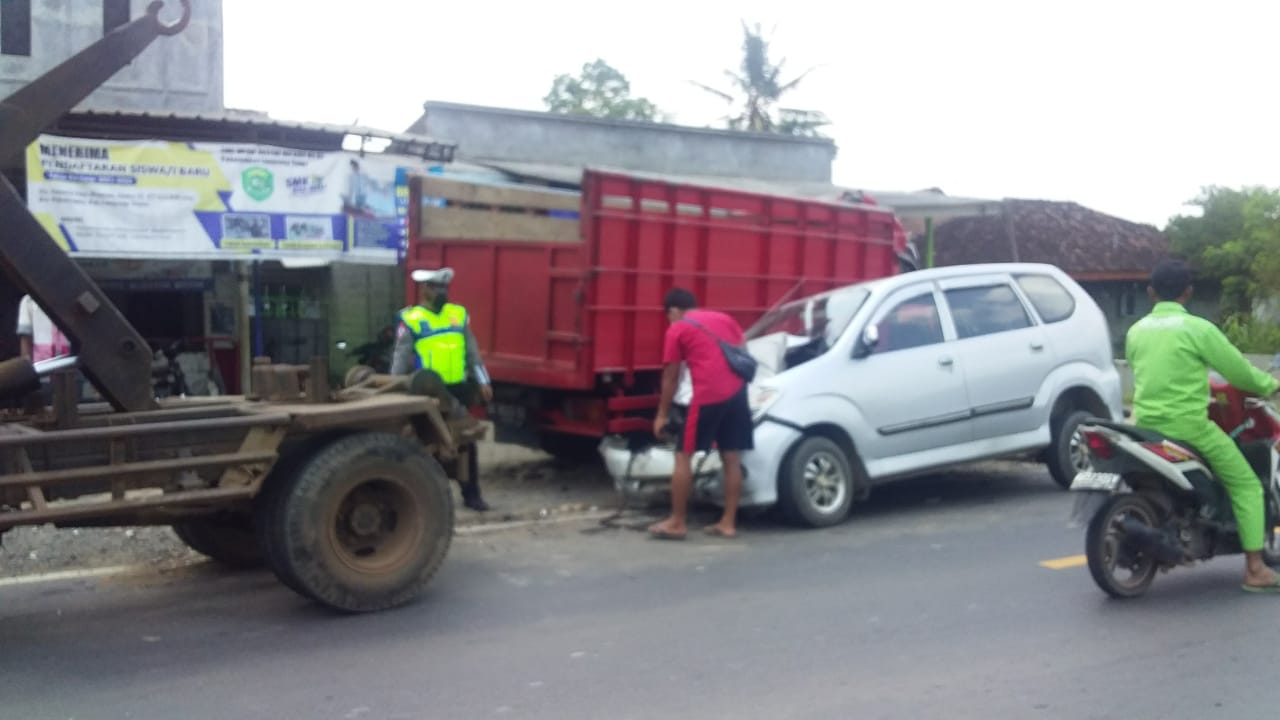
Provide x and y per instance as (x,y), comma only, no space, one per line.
(1148,436)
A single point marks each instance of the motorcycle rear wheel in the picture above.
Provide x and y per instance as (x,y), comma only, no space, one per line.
(1104,548)
(1271,548)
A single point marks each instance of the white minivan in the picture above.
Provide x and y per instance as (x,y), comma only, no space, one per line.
(915,373)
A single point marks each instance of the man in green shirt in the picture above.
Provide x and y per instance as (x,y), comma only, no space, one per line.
(1171,352)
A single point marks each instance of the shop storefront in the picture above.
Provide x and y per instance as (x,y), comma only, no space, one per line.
(230,251)
(176,304)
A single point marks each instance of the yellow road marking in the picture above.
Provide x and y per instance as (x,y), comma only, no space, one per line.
(1064,562)
(1071,561)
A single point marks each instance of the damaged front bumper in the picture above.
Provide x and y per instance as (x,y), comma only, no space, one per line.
(646,472)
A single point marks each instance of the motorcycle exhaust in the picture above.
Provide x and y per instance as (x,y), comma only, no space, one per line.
(1143,538)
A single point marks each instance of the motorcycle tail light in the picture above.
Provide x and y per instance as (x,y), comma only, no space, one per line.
(1171,452)
(1099,445)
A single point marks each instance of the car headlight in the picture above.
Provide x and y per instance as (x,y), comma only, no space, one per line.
(761,398)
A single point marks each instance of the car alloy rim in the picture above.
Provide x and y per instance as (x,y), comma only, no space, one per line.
(825,482)
(1079,451)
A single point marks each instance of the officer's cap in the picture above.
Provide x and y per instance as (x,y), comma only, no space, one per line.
(443,276)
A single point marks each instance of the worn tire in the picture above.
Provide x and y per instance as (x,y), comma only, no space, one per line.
(227,538)
(1271,545)
(816,485)
(1098,551)
(1060,456)
(266,505)
(361,525)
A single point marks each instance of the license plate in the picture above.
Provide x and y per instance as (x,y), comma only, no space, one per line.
(1095,481)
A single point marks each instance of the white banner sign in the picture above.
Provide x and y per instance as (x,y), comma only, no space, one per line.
(158,199)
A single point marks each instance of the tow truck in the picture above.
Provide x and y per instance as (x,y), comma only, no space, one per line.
(343,492)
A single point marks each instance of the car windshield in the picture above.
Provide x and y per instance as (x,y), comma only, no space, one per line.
(809,326)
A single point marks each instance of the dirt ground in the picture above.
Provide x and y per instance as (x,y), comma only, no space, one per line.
(519,484)
(524,484)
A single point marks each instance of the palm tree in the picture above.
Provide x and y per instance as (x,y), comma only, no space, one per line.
(759,84)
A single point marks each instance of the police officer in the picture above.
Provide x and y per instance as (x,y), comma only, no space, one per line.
(435,335)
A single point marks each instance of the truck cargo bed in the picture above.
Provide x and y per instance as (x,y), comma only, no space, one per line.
(565,288)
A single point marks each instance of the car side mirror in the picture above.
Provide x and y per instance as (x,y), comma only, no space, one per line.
(867,342)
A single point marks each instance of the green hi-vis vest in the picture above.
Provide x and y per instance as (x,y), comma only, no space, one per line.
(439,341)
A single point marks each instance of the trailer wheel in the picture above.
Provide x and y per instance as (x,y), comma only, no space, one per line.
(362,525)
(226,538)
(266,505)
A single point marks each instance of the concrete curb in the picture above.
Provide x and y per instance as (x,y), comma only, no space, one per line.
(482,528)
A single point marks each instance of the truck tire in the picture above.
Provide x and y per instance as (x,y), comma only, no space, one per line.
(570,449)
(816,485)
(226,538)
(266,506)
(361,525)
(1067,456)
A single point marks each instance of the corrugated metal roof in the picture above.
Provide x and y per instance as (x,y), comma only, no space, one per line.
(571,175)
(929,203)
(259,119)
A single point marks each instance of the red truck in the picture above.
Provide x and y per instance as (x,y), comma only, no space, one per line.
(565,287)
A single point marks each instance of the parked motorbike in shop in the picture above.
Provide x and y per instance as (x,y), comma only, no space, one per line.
(1153,504)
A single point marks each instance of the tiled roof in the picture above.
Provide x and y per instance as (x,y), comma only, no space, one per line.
(1083,242)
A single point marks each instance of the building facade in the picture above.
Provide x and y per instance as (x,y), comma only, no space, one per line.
(180,73)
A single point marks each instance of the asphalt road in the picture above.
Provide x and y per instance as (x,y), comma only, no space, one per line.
(930,602)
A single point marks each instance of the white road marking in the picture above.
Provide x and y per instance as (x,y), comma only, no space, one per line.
(73,574)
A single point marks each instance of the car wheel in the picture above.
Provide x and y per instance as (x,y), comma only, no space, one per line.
(1068,455)
(816,486)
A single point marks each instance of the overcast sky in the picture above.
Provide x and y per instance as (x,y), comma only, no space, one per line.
(1127,106)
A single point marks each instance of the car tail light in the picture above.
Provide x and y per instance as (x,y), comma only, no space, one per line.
(1099,445)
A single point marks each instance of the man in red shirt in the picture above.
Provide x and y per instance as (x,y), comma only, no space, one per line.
(719,413)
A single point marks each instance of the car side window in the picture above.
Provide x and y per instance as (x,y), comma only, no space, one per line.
(986,310)
(1051,300)
(914,322)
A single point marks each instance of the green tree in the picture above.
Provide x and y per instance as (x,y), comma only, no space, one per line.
(1234,239)
(758,87)
(600,90)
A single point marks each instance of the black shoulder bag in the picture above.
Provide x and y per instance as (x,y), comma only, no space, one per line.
(740,361)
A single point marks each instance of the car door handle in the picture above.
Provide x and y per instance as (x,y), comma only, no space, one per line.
(946,361)
(1037,346)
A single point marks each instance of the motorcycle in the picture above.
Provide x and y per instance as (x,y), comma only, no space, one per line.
(167,376)
(1153,504)
(375,353)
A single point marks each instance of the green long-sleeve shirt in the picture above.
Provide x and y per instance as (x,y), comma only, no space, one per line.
(1171,352)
